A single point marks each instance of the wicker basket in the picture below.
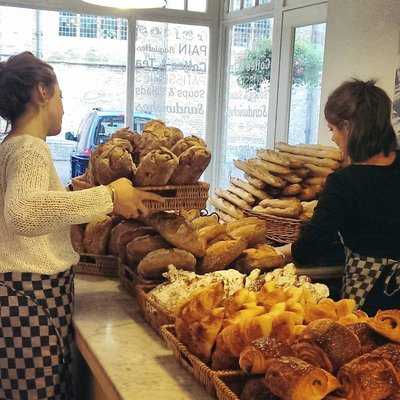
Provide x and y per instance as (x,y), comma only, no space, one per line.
(202,373)
(152,312)
(280,230)
(229,386)
(184,197)
(91,264)
(130,279)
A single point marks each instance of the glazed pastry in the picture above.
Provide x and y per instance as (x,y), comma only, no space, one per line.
(177,231)
(327,344)
(255,389)
(156,168)
(390,352)
(97,234)
(253,357)
(369,339)
(292,379)
(192,163)
(155,263)
(369,377)
(387,323)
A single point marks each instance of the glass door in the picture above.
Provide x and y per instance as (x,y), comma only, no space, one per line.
(301,67)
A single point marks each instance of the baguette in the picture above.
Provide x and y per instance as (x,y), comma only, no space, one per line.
(321,162)
(225,217)
(311,152)
(259,194)
(316,180)
(255,182)
(292,190)
(278,212)
(277,203)
(302,172)
(309,193)
(271,167)
(319,171)
(232,198)
(243,222)
(274,157)
(226,207)
(209,233)
(293,178)
(259,173)
(202,222)
(246,196)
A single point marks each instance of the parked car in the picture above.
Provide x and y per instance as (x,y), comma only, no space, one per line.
(95,129)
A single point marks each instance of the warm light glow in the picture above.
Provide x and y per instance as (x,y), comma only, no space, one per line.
(129,3)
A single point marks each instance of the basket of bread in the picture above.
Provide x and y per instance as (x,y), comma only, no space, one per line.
(286,340)
(160,160)
(280,186)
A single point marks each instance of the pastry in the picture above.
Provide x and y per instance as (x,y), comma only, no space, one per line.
(255,389)
(368,377)
(254,191)
(221,254)
(192,163)
(292,379)
(226,207)
(178,231)
(156,168)
(97,234)
(139,247)
(155,263)
(390,352)
(253,358)
(387,324)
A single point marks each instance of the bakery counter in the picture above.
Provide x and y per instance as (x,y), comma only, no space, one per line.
(125,358)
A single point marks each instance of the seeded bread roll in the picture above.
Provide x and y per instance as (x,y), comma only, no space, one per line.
(156,168)
(259,194)
(192,163)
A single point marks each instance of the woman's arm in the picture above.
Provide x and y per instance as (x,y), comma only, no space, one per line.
(32,210)
(329,218)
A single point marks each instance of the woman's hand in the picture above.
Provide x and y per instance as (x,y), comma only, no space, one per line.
(128,201)
(286,253)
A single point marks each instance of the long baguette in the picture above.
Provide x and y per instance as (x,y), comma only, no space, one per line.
(259,173)
(332,154)
(316,180)
(277,203)
(279,212)
(243,194)
(257,193)
(321,162)
(274,157)
(269,166)
(232,198)
(293,178)
(259,184)
(226,217)
(319,171)
(226,207)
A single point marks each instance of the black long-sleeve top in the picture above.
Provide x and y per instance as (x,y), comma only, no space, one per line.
(362,202)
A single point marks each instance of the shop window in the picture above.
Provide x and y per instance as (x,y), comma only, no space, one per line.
(249,3)
(308,56)
(235,5)
(247,98)
(241,35)
(123,29)
(68,25)
(197,5)
(108,28)
(176,4)
(171,74)
(88,26)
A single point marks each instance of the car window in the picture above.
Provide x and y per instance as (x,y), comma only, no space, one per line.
(106,126)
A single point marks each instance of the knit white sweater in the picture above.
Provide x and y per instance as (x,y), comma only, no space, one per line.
(36,211)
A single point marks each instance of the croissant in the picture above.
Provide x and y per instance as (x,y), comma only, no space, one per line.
(232,340)
(284,325)
(327,344)
(270,295)
(222,358)
(368,377)
(257,327)
(326,308)
(345,307)
(387,323)
(390,352)
(292,379)
(254,356)
(368,338)
(235,303)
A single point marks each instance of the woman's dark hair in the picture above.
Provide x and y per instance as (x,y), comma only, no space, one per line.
(366,109)
(19,75)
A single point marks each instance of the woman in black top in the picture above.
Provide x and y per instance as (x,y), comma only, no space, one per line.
(361,202)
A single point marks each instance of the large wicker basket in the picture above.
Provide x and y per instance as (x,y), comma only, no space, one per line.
(183,197)
(152,312)
(202,373)
(91,264)
(280,230)
(130,279)
(229,386)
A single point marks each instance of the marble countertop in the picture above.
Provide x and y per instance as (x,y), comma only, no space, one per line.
(127,358)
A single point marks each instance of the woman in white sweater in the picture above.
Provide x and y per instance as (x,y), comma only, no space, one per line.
(36,255)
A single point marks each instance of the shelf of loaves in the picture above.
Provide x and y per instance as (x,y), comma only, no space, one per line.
(284,182)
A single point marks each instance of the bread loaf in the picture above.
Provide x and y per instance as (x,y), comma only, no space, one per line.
(202,222)
(263,257)
(319,171)
(97,234)
(156,168)
(153,124)
(209,233)
(154,264)
(187,142)
(128,135)
(225,217)
(231,226)
(77,234)
(192,163)
(177,231)
(293,178)
(139,247)
(251,234)
(116,233)
(321,162)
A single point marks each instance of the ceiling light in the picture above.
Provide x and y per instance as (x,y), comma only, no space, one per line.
(129,3)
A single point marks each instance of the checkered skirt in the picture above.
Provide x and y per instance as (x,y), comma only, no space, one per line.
(361,274)
(35,336)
